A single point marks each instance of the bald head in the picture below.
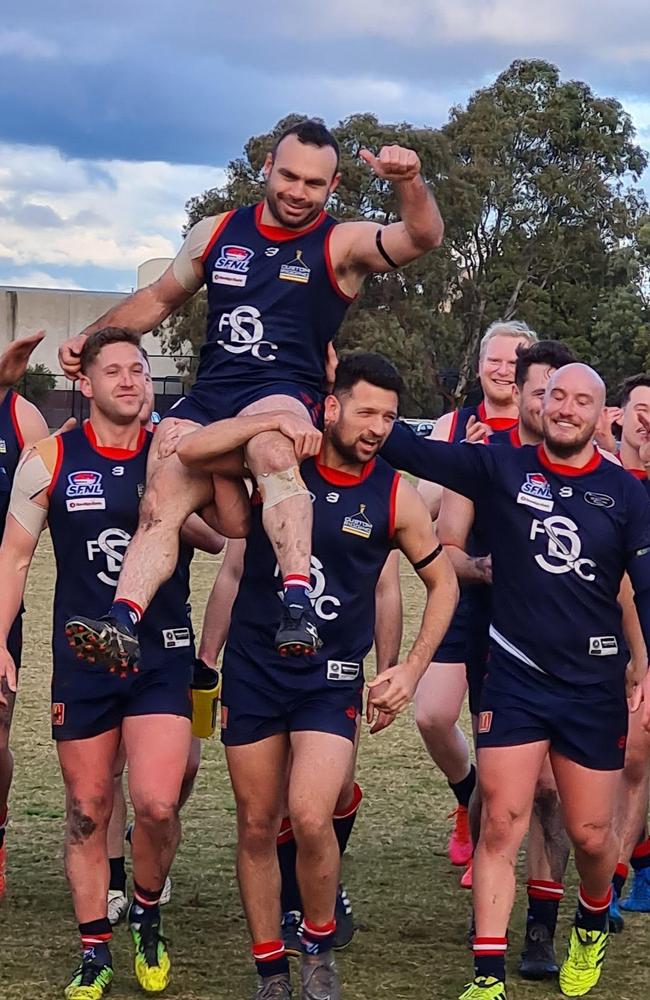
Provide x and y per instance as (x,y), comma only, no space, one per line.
(573,404)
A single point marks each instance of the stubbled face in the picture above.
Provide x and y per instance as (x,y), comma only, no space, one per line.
(573,404)
(299,180)
(115,381)
(633,432)
(496,368)
(530,398)
(358,422)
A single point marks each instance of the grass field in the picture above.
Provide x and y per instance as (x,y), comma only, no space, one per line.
(413,916)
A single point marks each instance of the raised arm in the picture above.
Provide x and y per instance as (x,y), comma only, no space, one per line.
(203,449)
(392,691)
(463,468)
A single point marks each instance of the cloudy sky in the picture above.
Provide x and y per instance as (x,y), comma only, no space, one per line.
(113,114)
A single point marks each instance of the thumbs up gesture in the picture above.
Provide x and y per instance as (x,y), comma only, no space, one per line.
(394,163)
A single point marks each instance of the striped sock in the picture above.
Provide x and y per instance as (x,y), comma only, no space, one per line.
(317,938)
(4,816)
(641,855)
(620,878)
(544,899)
(295,590)
(146,903)
(95,940)
(593,914)
(270,959)
(490,957)
(344,820)
(126,612)
(286,849)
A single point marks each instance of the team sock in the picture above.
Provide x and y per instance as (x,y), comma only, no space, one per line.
(490,957)
(641,855)
(146,903)
(270,959)
(544,900)
(286,848)
(4,816)
(317,938)
(620,877)
(593,914)
(295,590)
(463,789)
(95,940)
(345,818)
(126,613)
(118,874)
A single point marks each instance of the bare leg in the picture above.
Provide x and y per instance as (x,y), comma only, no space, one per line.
(632,807)
(258,775)
(157,749)
(6,756)
(216,619)
(548,845)
(438,704)
(173,492)
(117,824)
(191,771)
(87,767)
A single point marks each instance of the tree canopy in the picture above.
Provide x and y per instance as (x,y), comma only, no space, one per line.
(537,180)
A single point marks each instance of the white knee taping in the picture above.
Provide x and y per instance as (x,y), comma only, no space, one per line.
(275,487)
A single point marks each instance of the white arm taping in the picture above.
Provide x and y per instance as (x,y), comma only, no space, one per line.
(32,477)
(192,249)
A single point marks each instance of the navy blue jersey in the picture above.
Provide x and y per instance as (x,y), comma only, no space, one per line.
(93,513)
(642,476)
(11,445)
(560,538)
(273,304)
(458,428)
(353,527)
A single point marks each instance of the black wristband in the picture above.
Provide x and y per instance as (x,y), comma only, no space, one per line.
(428,559)
(380,246)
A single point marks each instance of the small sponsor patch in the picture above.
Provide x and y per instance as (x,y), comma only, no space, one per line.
(603,645)
(485,722)
(231,266)
(296,270)
(140,491)
(340,670)
(86,503)
(536,492)
(358,524)
(599,499)
(85,483)
(58,713)
(351,712)
(3,446)
(224,716)
(175,638)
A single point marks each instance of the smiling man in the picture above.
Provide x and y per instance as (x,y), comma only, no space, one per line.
(280,276)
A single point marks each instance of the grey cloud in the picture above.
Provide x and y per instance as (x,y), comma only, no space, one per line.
(36,216)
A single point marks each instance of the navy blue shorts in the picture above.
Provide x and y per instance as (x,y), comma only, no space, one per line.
(87,700)
(219,404)
(253,708)
(586,724)
(479,601)
(15,640)
(453,647)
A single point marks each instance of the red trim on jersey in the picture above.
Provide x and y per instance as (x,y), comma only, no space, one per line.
(216,234)
(331,273)
(392,505)
(454,424)
(338,478)
(515,440)
(57,464)
(119,454)
(14,419)
(569,470)
(637,473)
(496,423)
(280,234)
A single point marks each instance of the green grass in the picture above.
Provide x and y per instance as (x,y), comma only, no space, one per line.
(412,944)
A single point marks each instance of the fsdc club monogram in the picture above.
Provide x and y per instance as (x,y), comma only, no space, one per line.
(246,331)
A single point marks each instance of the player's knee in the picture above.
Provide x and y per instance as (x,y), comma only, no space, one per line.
(592,839)
(257,831)
(435,721)
(270,452)
(156,813)
(637,765)
(311,826)
(502,826)
(87,816)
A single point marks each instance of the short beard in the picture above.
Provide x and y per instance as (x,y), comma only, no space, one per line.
(276,211)
(346,451)
(568,449)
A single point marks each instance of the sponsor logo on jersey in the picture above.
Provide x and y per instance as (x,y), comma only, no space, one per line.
(231,266)
(333,497)
(485,722)
(117,470)
(140,490)
(342,670)
(84,484)
(3,446)
(224,716)
(603,645)
(599,499)
(536,492)
(176,638)
(246,331)
(358,524)
(296,270)
(566,492)
(86,503)
(58,713)
(271,251)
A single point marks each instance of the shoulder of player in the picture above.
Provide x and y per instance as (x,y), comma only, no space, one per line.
(345,234)
(408,503)
(30,422)
(48,450)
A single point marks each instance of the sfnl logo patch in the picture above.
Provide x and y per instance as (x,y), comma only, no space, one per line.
(231,266)
(85,491)
(536,492)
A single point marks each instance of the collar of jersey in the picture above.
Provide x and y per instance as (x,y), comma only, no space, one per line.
(638,473)
(119,454)
(338,478)
(496,423)
(569,470)
(279,234)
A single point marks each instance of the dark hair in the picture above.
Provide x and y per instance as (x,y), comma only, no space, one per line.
(102,338)
(311,133)
(551,353)
(631,383)
(372,368)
